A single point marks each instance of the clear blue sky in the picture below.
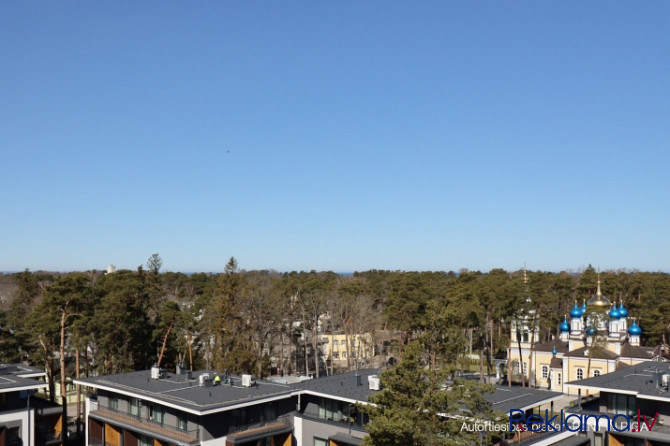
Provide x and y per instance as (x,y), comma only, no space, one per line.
(342,136)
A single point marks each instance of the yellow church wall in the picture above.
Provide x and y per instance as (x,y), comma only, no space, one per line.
(602,365)
(567,373)
(534,366)
(514,356)
(571,364)
(542,359)
(612,347)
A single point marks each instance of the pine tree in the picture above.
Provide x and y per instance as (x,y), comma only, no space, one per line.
(421,406)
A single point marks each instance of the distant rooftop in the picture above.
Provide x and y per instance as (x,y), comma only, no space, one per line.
(645,380)
(17,377)
(22,370)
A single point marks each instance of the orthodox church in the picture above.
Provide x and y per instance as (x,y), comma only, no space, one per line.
(598,337)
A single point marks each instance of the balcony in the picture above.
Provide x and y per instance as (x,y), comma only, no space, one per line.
(277,432)
(528,438)
(354,423)
(144,426)
(284,420)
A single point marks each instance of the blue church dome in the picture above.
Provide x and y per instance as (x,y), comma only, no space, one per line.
(622,311)
(634,329)
(565,327)
(590,331)
(614,313)
(576,312)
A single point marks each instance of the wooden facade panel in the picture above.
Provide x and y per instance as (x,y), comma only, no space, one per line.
(613,441)
(94,429)
(129,438)
(112,435)
(58,428)
(284,440)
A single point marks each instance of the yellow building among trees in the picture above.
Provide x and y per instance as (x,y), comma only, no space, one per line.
(344,351)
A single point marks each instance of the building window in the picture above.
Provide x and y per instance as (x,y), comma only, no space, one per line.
(183,423)
(598,440)
(134,406)
(344,355)
(336,355)
(596,372)
(545,371)
(621,404)
(146,441)
(114,403)
(516,368)
(156,413)
(558,379)
(320,442)
(335,343)
(580,373)
(330,410)
(525,368)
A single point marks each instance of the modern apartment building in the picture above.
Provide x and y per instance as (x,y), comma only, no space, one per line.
(24,419)
(159,408)
(628,407)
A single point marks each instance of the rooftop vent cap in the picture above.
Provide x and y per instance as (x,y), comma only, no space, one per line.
(248,381)
(203,380)
(374,382)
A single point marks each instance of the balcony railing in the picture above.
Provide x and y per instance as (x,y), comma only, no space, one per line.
(347,421)
(282,419)
(145,425)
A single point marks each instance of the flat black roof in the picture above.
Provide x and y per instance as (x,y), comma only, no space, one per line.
(184,393)
(22,370)
(505,399)
(345,385)
(17,377)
